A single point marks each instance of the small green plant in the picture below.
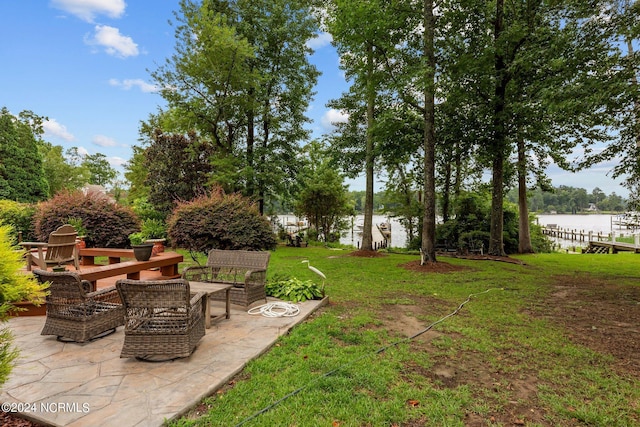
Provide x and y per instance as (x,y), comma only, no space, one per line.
(294,290)
(77,224)
(136,238)
(154,229)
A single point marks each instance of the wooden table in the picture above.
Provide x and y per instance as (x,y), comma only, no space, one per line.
(210,289)
(114,254)
(167,262)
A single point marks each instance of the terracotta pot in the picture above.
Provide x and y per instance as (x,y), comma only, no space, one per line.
(158,245)
(80,243)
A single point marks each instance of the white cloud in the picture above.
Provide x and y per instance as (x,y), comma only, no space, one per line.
(104,141)
(113,42)
(87,10)
(127,84)
(83,151)
(331,117)
(116,161)
(54,129)
(320,40)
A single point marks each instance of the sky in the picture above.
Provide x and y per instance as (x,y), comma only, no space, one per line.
(85,65)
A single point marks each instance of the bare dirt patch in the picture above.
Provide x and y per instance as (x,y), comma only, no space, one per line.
(442,266)
(598,314)
(465,368)
(367,254)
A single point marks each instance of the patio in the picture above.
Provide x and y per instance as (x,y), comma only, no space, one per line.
(69,384)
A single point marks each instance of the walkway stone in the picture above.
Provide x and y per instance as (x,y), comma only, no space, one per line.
(70,384)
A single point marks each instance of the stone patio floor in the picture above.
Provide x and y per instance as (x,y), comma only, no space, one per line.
(70,384)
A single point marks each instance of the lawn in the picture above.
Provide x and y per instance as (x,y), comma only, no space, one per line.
(549,340)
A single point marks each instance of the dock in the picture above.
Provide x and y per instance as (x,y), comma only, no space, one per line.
(596,247)
(575,235)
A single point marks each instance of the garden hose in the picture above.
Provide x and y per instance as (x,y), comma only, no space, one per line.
(276,309)
(327,374)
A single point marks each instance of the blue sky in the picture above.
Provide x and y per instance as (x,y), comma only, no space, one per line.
(85,65)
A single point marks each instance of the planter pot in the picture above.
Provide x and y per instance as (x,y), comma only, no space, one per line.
(28,309)
(158,245)
(80,243)
(142,252)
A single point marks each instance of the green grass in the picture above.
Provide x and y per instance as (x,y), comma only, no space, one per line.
(333,366)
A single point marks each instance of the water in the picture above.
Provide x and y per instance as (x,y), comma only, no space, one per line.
(592,222)
(597,223)
(352,235)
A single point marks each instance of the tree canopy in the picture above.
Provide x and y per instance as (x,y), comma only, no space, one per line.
(22,178)
(240,79)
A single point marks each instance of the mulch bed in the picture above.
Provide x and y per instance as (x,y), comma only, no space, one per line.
(10,420)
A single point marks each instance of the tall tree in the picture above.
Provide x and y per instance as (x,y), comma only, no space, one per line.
(241,77)
(428,246)
(61,173)
(537,87)
(623,16)
(361,31)
(178,168)
(21,175)
(323,196)
(101,172)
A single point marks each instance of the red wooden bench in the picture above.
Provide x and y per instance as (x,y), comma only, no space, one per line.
(167,262)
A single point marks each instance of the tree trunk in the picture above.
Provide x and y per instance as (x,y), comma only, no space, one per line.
(496,245)
(634,85)
(428,245)
(446,192)
(250,149)
(524,234)
(367,238)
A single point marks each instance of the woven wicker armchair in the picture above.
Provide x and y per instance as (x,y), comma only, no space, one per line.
(163,320)
(245,270)
(76,314)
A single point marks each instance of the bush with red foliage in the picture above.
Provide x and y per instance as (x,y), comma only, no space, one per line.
(108,224)
(220,221)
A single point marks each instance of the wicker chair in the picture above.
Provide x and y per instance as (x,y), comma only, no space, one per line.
(245,270)
(76,314)
(163,321)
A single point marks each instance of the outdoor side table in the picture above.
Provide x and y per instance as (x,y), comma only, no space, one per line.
(210,289)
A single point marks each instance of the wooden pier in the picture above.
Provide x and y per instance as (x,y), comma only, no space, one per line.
(575,235)
(597,243)
(610,248)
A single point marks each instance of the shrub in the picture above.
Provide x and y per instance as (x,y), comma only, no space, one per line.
(20,217)
(145,210)
(107,224)
(153,229)
(294,290)
(14,287)
(220,221)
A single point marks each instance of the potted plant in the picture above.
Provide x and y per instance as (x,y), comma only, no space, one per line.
(154,231)
(81,230)
(141,250)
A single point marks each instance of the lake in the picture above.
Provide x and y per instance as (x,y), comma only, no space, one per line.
(591,222)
